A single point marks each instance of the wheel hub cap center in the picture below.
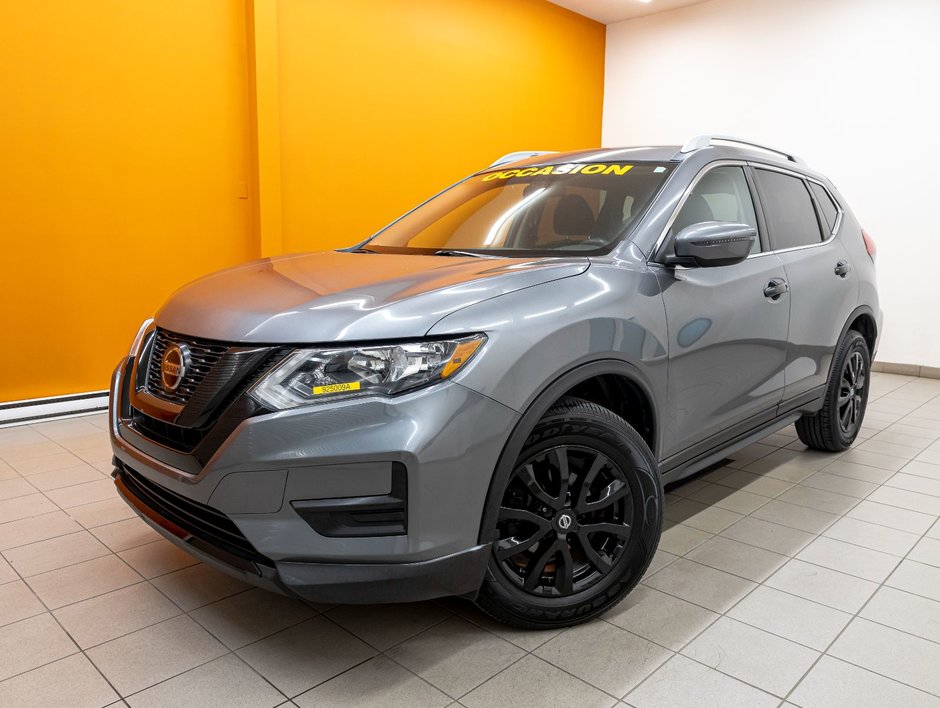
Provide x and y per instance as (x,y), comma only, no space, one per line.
(565,522)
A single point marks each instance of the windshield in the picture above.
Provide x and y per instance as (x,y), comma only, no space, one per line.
(575,208)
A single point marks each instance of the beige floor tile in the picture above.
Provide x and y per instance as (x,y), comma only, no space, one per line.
(849,558)
(145,657)
(46,463)
(752,452)
(759,658)
(797,517)
(879,538)
(727,498)
(819,499)
(30,643)
(249,616)
(700,516)
(822,585)
(709,588)
(789,465)
(20,435)
(881,447)
(737,558)
(198,585)
(17,602)
(72,681)
(101,512)
(922,469)
(661,559)
(85,493)
(892,517)
(683,683)
(853,470)
(37,528)
(226,681)
(875,459)
(523,638)
(7,472)
(886,651)
(904,499)
(794,618)
(56,479)
(836,684)
(679,539)
(299,658)
(932,456)
(927,551)
(902,610)
(122,535)
(915,483)
(384,626)
(605,656)
(918,578)
(24,507)
(7,574)
(839,484)
(54,553)
(910,435)
(114,614)
(377,683)
(533,683)
(768,535)
(455,655)
(754,483)
(30,450)
(659,617)
(13,488)
(157,558)
(82,580)
(66,429)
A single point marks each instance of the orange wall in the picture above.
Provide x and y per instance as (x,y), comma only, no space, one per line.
(124,141)
(130,132)
(385,103)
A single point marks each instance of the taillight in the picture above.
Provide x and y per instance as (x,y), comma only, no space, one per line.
(869,244)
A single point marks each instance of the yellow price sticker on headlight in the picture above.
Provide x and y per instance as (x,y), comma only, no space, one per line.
(336,388)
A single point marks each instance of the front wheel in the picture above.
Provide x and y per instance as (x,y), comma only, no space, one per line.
(578,522)
(835,426)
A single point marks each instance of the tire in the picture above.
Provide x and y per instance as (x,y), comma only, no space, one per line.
(835,426)
(583,509)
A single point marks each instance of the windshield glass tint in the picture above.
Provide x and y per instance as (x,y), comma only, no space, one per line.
(555,209)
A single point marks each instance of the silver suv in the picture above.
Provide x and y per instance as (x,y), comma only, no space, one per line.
(487,397)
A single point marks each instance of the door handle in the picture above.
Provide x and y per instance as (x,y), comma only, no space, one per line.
(842,269)
(776,288)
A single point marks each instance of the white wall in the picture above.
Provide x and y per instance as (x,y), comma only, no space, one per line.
(851,86)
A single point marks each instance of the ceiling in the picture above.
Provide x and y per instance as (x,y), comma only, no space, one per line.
(608,11)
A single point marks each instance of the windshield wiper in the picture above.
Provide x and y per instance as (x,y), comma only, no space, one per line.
(454,252)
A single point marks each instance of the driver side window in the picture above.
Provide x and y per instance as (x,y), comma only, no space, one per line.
(721,195)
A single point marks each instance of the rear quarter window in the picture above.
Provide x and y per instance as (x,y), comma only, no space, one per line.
(826,205)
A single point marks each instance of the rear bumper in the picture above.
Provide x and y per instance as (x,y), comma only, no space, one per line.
(347,583)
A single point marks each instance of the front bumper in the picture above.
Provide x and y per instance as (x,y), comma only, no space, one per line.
(275,468)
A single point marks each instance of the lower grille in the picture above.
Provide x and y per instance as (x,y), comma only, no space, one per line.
(204,523)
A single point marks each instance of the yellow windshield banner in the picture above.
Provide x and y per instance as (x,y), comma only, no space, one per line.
(596,168)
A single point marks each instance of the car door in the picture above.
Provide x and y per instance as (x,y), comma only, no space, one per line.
(727,326)
(823,287)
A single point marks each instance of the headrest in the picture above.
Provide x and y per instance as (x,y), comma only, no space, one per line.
(574,216)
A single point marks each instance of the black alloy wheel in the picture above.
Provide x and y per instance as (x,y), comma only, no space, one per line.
(576,519)
(564,520)
(835,426)
(851,389)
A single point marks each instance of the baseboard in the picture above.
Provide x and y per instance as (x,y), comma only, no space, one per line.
(37,409)
(926,372)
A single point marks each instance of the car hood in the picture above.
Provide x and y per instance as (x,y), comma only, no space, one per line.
(341,296)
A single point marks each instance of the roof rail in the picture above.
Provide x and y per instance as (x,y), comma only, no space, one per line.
(703,141)
(521,155)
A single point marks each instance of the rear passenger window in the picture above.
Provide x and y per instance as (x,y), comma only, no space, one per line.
(789,210)
(826,205)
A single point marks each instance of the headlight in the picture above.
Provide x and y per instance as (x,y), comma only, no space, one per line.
(311,375)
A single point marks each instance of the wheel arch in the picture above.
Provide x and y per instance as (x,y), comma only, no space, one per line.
(596,381)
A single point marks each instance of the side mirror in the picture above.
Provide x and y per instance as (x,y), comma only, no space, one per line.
(712,243)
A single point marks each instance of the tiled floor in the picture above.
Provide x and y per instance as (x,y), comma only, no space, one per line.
(786,576)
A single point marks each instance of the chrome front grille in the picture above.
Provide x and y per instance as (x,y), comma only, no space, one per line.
(205,355)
